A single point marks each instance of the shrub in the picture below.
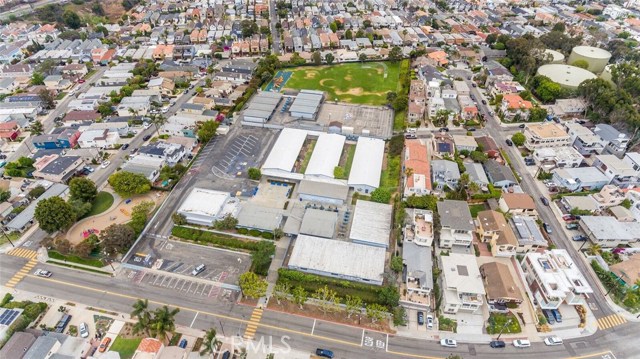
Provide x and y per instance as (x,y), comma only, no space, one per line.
(215,239)
(254,233)
(243,231)
(267,235)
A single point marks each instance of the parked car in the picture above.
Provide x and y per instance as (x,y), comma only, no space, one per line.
(568,217)
(522,126)
(444,129)
(547,228)
(90,169)
(572,226)
(557,315)
(325,353)
(105,164)
(84,330)
(509,142)
(104,345)
(199,269)
(43,273)
(146,138)
(81,81)
(579,238)
(125,146)
(497,344)
(521,343)
(420,318)
(183,343)
(484,102)
(498,308)
(550,341)
(474,85)
(429,321)
(544,201)
(449,343)
(547,314)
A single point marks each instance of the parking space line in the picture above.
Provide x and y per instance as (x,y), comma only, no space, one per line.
(183,284)
(190,284)
(204,289)
(313,328)
(158,277)
(142,277)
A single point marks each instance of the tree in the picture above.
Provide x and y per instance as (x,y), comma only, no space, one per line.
(362,57)
(389,295)
(158,120)
(47,99)
(626,203)
(395,54)
(546,89)
(537,114)
(391,97)
(210,343)
(117,238)
(348,34)
(5,195)
(281,292)
(37,192)
(36,128)
(254,173)
(140,215)
(63,246)
(300,296)
(381,195)
(54,214)
(163,322)
(399,316)
(105,109)
(353,304)
(316,57)
(249,28)
(594,249)
(478,156)
(37,79)
(80,208)
(72,19)
(329,58)
(126,183)
(375,312)
(252,285)
(83,189)
(400,103)
(178,219)
(518,139)
(559,26)
(226,223)
(583,64)
(207,131)
(327,299)
(338,172)
(396,264)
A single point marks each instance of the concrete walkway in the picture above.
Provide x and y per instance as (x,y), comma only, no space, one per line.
(282,245)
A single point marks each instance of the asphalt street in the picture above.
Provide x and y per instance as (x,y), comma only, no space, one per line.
(273,20)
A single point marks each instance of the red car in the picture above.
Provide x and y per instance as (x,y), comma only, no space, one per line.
(568,217)
(81,81)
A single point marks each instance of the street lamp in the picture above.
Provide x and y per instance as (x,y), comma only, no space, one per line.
(502,329)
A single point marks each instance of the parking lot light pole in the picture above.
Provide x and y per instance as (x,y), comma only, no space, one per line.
(502,329)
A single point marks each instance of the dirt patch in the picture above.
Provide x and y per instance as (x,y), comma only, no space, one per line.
(324,83)
(127,332)
(311,311)
(112,9)
(310,74)
(348,78)
(356,91)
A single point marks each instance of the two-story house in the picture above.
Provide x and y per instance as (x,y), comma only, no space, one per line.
(461,283)
(617,142)
(170,152)
(518,204)
(445,174)
(583,140)
(57,169)
(65,139)
(456,224)
(499,284)
(493,228)
(417,179)
(513,106)
(619,172)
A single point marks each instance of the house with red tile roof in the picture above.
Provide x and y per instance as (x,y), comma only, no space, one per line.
(417,179)
(513,105)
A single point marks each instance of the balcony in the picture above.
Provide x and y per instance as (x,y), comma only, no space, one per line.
(469,299)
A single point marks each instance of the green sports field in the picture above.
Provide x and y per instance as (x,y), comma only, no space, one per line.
(359,83)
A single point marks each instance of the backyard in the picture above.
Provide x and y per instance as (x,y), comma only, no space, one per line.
(505,323)
(125,347)
(359,83)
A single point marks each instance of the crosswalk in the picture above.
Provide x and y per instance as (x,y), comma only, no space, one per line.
(23,252)
(253,323)
(21,273)
(610,321)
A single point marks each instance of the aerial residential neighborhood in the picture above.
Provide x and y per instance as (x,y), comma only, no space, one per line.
(337,179)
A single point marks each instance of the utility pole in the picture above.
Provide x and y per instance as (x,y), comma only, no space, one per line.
(7,237)
(502,329)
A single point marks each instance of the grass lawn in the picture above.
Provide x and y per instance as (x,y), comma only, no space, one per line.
(447,324)
(399,120)
(126,347)
(61,95)
(359,83)
(498,320)
(13,236)
(75,259)
(347,165)
(103,201)
(307,157)
(391,175)
(475,208)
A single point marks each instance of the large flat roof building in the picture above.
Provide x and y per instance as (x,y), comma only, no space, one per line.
(338,259)
(306,104)
(326,155)
(261,107)
(262,218)
(284,154)
(367,165)
(323,191)
(319,223)
(371,224)
(204,206)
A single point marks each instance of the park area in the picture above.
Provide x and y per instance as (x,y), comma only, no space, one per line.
(358,83)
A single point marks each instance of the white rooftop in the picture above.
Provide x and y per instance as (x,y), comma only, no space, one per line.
(326,155)
(462,273)
(338,257)
(371,223)
(367,162)
(285,151)
(557,273)
(204,202)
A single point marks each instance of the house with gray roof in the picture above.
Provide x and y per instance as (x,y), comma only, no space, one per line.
(25,219)
(17,346)
(456,224)
(445,173)
(418,276)
(60,169)
(499,175)
(476,174)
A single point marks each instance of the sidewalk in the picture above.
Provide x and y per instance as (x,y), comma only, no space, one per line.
(282,245)
(17,243)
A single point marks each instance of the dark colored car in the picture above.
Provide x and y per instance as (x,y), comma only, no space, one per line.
(497,344)
(579,238)
(444,129)
(509,142)
(549,316)
(325,353)
(125,146)
(557,315)
(183,343)
(471,129)
(547,228)
(420,318)
(544,201)
(146,138)
(522,125)
(484,102)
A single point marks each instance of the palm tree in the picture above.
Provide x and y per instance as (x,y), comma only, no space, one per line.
(158,120)
(141,312)
(211,342)
(163,322)
(133,112)
(594,249)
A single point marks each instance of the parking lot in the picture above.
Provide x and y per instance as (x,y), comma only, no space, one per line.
(241,155)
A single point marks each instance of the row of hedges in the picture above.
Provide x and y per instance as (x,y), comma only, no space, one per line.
(215,239)
(255,233)
(493,193)
(311,282)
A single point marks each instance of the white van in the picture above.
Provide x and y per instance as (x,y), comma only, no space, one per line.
(521,343)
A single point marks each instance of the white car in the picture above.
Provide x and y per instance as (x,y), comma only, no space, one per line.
(146,125)
(521,343)
(429,321)
(449,343)
(550,341)
(105,164)
(84,331)
(43,273)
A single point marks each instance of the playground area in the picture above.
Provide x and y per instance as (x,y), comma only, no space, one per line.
(119,213)
(358,83)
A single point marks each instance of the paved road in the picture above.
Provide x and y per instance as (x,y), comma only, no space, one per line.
(275,35)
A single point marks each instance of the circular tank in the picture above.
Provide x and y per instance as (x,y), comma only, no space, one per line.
(556,57)
(597,58)
(606,74)
(565,75)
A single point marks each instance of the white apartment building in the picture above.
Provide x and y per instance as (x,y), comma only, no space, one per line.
(461,283)
(546,134)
